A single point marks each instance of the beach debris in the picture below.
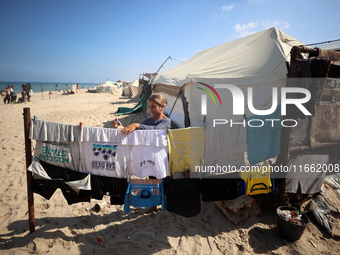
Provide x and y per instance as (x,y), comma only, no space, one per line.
(291,216)
(101,240)
(312,243)
(239,209)
(285,214)
(320,212)
(99,206)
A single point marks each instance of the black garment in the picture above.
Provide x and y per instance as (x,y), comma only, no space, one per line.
(46,188)
(60,176)
(183,196)
(116,187)
(62,173)
(218,189)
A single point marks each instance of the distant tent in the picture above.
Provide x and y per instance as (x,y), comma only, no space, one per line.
(109,87)
(258,61)
(136,88)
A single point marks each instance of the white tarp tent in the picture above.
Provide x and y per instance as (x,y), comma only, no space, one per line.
(257,61)
(109,87)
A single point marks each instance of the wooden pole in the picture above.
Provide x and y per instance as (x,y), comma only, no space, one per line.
(28,151)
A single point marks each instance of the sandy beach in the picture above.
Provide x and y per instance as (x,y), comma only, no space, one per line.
(74,229)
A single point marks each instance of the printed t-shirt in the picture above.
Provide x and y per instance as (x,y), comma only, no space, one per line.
(186,149)
(56,143)
(102,153)
(148,153)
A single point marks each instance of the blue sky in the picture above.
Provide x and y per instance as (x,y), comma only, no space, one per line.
(96,40)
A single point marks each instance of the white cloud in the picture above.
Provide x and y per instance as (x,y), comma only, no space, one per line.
(285,25)
(228,7)
(247,29)
(241,28)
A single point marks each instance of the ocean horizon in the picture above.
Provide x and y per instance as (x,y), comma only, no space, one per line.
(46,86)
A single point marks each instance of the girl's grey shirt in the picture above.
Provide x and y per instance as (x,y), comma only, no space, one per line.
(149,124)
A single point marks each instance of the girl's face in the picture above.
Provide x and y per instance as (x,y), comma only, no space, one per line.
(155,109)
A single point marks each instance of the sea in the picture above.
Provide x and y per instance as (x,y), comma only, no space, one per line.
(45,86)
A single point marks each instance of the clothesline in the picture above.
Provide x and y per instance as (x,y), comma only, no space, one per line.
(100,160)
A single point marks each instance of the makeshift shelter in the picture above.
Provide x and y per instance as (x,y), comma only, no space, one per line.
(136,88)
(109,87)
(258,61)
(315,141)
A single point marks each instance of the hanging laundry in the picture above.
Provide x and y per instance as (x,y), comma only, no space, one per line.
(220,187)
(144,193)
(306,178)
(102,153)
(148,153)
(47,178)
(186,149)
(63,154)
(183,196)
(225,145)
(51,131)
(114,187)
(263,142)
(256,182)
(56,144)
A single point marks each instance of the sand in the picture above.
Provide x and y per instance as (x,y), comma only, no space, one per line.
(74,229)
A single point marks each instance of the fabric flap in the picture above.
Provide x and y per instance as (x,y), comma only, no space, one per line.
(156,138)
(51,131)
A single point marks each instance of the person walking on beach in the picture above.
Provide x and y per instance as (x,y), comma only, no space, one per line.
(13,95)
(23,92)
(29,91)
(8,95)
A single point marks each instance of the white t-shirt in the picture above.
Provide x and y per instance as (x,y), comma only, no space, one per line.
(102,153)
(148,153)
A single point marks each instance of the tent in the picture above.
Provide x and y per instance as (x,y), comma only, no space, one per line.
(259,60)
(109,87)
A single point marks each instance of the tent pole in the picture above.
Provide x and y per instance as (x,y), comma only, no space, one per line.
(179,93)
(28,152)
(163,64)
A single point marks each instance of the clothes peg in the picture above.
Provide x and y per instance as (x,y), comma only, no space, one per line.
(205,126)
(80,125)
(35,118)
(167,130)
(128,178)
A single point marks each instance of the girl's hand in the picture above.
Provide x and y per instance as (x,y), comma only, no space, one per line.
(116,124)
(128,129)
